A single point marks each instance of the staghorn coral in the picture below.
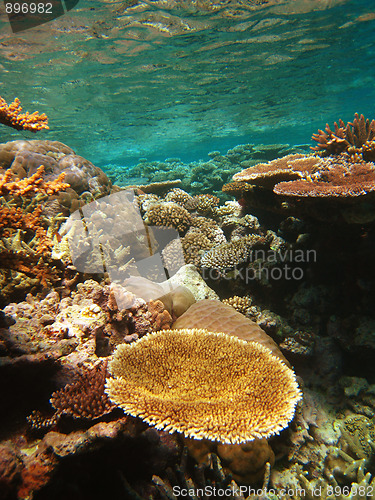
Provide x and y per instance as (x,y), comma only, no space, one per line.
(355,138)
(12,116)
(182,380)
(168,214)
(85,398)
(218,317)
(360,489)
(32,185)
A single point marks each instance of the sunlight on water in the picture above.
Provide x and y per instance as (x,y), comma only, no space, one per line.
(122,80)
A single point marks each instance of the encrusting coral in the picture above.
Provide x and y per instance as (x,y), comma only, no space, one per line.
(204,385)
(12,116)
(218,317)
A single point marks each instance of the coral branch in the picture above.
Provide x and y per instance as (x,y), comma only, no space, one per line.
(12,116)
(31,185)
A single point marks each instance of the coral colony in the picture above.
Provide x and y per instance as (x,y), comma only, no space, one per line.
(189,336)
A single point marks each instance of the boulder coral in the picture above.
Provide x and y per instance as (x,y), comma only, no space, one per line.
(23,158)
(218,317)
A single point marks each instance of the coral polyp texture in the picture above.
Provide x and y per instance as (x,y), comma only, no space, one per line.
(204,385)
(12,116)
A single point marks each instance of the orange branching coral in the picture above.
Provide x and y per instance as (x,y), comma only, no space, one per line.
(356,138)
(12,116)
(31,185)
(16,218)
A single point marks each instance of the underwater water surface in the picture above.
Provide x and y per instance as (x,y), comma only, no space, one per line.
(186,290)
(124,80)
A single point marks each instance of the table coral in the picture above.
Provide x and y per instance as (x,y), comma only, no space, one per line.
(12,116)
(183,380)
(332,184)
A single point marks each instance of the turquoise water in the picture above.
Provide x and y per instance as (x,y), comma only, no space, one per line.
(125,80)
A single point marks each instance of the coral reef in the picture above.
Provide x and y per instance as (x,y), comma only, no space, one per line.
(182,380)
(198,177)
(340,179)
(26,244)
(12,116)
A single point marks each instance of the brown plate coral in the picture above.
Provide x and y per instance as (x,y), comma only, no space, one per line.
(204,385)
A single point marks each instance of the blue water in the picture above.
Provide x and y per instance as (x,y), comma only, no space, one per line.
(182,79)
